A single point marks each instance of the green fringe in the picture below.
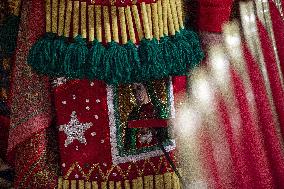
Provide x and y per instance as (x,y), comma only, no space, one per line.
(8,35)
(75,65)
(115,63)
(95,61)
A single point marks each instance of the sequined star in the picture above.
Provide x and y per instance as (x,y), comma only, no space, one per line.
(75,130)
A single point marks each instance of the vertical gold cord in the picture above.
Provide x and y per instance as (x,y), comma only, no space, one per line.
(84,20)
(68,19)
(91,17)
(54,15)
(155,22)
(98,13)
(165,16)
(145,21)
(174,14)
(106,24)
(118,185)
(180,13)
(130,24)
(170,19)
(48,16)
(160,15)
(114,24)
(76,18)
(122,25)
(137,21)
(149,15)
(61,17)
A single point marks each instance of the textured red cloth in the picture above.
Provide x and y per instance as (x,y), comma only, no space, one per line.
(4,133)
(267,125)
(212,14)
(273,74)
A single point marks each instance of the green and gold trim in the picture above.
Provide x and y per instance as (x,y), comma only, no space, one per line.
(128,44)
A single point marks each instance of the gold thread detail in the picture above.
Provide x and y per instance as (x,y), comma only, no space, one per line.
(104,185)
(76,18)
(88,185)
(91,22)
(118,185)
(165,16)
(174,14)
(60,183)
(73,184)
(95,185)
(98,13)
(83,20)
(145,21)
(150,24)
(126,184)
(66,184)
(180,13)
(114,24)
(122,25)
(170,19)
(160,15)
(81,184)
(48,16)
(155,23)
(61,17)
(106,24)
(130,24)
(137,21)
(68,19)
(54,15)
(111,185)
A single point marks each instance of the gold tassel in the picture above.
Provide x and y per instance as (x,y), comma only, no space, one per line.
(126,184)
(88,185)
(149,14)
(137,21)
(118,185)
(83,20)
(54,15)
(61,17)
(155,22)
(122,25)
(106,24)
(175,181)
(91,22)
(148,182)
(170,19)
(60,183)
(159,182)
(145,21)
(104,185)
(110,185)
(180,13)
(168,180)
(95,185)
(160,15)
(134,184)
(130,24)
(174,14)
(73,184)
(114,24)
(81,184)
(68,19)
(165,4)
(76,18)
(98,13)
(139,183)
(48,16)
(66,184)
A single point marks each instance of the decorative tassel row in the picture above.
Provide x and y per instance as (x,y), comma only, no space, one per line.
(163,181)
(158,55)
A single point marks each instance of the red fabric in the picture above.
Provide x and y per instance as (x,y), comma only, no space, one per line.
(213,14)
(254,152)
(273,74)
(4,133)
(267,125)
(149,123)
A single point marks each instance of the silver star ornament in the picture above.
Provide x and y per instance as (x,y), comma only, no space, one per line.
(75,130)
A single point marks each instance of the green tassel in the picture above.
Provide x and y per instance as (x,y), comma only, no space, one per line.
(170,54)
(8,36)
(95,61)
(58,55)
(134,62)
(116,64)
(40,54)
(151,60)
(75,59)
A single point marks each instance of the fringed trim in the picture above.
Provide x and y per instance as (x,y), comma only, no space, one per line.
(115,63)
(134,21)
(163,181)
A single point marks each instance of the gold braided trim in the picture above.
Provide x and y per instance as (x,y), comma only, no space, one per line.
(110,23)
(162,181)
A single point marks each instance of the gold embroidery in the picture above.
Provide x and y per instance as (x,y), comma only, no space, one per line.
(137,21)
(159,182)
(54,15)
(160,15)
(145,21)
(73,184)
(149,15)
(95,185)
(130,24)
(111,185)
(148,182)
(91,22)
(122,25)
(165,16)
(76,18)
(98,13)
(88,185)
(81,184)
(155,19)
(61,17)
(118,185)
(48,15)
(68,19)
(114,24)
(173,9)
(106,24)
(83,20)
(66,184)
